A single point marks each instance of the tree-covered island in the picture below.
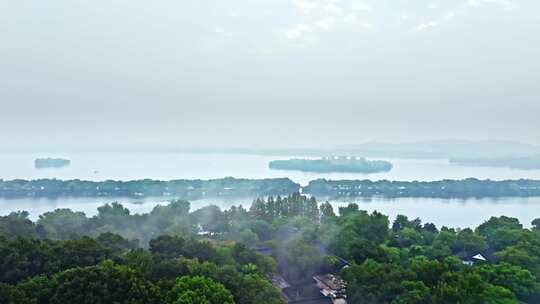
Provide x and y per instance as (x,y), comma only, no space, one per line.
(332,164)
(41,163)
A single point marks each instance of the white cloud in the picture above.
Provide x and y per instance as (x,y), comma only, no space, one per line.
(325,23)
(477,3)
(359,6)
(305,6)
(506,4)
(427,25)
(332,8)
(297,31)
(450,15)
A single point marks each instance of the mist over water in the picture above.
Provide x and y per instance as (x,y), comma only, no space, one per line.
(167,166)
(442,212)
(170,98)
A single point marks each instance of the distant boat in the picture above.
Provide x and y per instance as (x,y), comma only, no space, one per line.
(41,163)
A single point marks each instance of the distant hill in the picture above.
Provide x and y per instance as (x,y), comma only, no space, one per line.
(421,149)
(523,163)
(447,149)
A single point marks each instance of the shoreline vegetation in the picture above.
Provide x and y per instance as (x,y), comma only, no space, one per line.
(187,189)
(466,188)
(332,164)
(233,187)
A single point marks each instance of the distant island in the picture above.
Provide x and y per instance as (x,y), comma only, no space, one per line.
(333,164)
(523,163)
(40,163)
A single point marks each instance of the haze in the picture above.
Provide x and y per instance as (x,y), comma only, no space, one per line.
(266,73)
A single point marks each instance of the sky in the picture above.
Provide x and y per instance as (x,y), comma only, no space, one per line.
(266,73)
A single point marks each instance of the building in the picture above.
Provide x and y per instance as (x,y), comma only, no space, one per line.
(481,256)
(323,288)
(332,286)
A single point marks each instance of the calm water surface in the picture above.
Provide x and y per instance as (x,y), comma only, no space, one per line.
(165,166)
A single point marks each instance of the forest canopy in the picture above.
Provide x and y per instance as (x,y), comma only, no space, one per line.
(175,255)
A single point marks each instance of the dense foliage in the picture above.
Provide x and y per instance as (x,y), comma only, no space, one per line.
(108,270)
(231,187)
(172,255)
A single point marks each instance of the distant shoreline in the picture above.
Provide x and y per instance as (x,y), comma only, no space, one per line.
(232,187)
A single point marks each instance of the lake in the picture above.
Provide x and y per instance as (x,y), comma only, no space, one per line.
(165,166)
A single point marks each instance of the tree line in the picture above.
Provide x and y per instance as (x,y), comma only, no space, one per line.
(232,187)
(467,188)
(188,189)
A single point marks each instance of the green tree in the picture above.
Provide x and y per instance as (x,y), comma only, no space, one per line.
(6,293)
(359,235)
(115,243)
(414,293)
(327,211)
(469,241)
(350,209)
(514,278)
(536,223)
(493,229)
(37,290)
(468,287)
(302,258)
(17,224)
(199,290)
(167,246)
(372,282)
(63,224)
(103,284)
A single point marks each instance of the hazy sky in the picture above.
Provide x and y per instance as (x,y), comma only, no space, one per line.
(267,72)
